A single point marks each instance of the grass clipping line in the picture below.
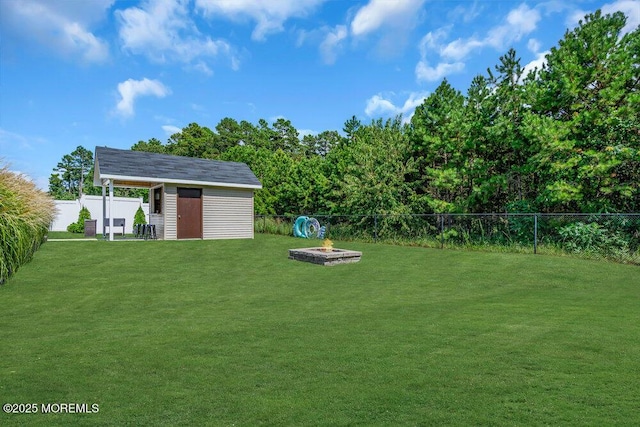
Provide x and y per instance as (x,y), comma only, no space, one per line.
(25,215)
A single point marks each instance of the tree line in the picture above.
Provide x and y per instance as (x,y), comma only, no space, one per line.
(564,138)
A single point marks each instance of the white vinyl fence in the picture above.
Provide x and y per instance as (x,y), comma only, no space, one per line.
(123,207)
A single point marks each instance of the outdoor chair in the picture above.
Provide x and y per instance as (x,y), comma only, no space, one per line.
(149,231)
(137,231)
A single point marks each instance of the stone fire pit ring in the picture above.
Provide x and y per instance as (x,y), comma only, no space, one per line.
(323,256)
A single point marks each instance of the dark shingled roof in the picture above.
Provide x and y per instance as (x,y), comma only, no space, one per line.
(127,165)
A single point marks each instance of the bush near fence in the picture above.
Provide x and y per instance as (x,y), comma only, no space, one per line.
(602,236)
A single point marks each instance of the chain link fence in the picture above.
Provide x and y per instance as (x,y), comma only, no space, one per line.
(600,236)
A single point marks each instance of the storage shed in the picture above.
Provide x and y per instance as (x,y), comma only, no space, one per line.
(189,198)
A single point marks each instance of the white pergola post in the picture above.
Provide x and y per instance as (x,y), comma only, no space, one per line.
(110,210)
(104,210)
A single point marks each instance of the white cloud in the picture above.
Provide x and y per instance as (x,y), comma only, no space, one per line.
(460,49)
(519,22)
(390,21)
(131,89)
(467,14)
(522,20)
(424,72)
(381,105)
(415,99)
(62,26)
(171,130)
(379,13)
(163,31)
(93,49)
(393,19)
(202,67)
(631,8)
(332,42)
(378,105)
(575,17)
(432,40)
(235,63)
(538,63)
(533,45)
(268,15)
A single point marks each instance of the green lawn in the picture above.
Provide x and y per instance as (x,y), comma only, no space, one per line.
(234,333)
(57,235)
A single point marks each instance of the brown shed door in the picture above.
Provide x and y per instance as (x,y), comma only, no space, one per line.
(189,213)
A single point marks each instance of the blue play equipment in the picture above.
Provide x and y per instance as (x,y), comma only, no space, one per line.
(307,228)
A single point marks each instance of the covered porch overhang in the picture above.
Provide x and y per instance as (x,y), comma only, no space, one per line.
(115,182)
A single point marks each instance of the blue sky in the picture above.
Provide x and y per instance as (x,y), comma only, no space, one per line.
(112,73)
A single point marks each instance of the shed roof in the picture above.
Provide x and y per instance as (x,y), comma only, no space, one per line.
(129,168)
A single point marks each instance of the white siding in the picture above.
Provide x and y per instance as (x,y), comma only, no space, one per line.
(158,221)
(227,213)
(170,212)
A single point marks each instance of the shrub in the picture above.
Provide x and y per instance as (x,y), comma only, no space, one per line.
(25,215)
(78,227)
(139,217)
(592,238)
(269,225)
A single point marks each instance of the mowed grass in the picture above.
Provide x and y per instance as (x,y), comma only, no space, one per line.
(234,333)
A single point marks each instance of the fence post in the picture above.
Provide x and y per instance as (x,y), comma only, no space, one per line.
(375,227)
(535,234)
(441,231)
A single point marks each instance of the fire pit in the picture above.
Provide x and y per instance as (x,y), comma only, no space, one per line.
(325,255)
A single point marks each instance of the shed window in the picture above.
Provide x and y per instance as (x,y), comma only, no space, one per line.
(157,200)
(190,193)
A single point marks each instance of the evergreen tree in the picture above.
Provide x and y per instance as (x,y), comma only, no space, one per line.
(437,147)
(590,85)
(73,173)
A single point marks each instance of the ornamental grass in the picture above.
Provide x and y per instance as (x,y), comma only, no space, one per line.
(25,215)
